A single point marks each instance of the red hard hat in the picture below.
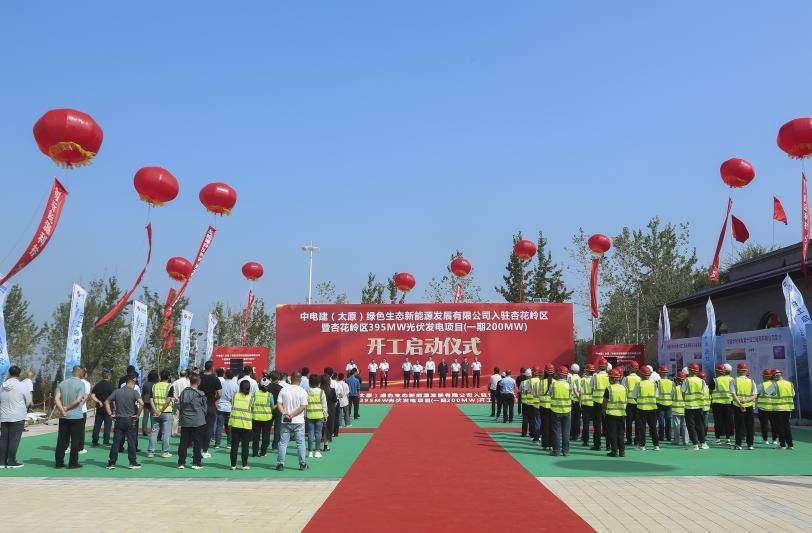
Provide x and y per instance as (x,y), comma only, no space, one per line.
(693,367)
(766,372)
(775,371)
(634,365)
(563,371)
(720,368)
(590,367)
(741,366)
(615,373)
(603,363)
(664,369)
(702,374)
(646,371)
(549,367)
(681,374)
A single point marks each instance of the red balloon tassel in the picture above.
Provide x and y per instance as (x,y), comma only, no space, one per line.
(593,287)
(713,273)
(804,226)
(124,299)
(738,229)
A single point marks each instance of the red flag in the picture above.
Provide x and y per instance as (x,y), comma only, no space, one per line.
(804,225)
(593,288)
(713,273)
(738,229)
(121,303)
(46,229)
(207,238)
(778,211)
(457,293)
(247,315)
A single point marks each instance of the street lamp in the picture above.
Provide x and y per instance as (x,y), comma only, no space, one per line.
(311,249)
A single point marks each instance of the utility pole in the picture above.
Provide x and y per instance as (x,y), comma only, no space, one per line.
(311,250)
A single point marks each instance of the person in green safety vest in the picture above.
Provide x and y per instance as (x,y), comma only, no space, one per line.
(783,402)
(545,413)
(630,382)
(645,393)
(722,405)
(744,393)
(561,412)
(665,388)
(261,418)
(764,404)
(587,403)
(614,408)
(693,390)
(679,434)
(315,415)
(241,423)
(598,383)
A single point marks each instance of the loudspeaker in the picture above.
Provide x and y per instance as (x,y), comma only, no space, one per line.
(235,365)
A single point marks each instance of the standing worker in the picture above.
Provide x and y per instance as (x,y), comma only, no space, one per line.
(587,403)
(693,390)
(574,379)
(128,407)
(722,405)
(383,371)
(407,373)
(354,384)
(241,422)
(706,405)
(507,390)
(430,373)
(744,393)
(783,403)
(645,393)
(561,407)
(764,403)
(523,376)
(679,435)
(15,399)
(493,388)
(261,418)
(599,383)
(417,370)
(545,403)
(464,368)
(442,370)
(455,374)
(631,382)
(373,372)
(614,410)
(532,404)
(523,386)
(314,417)
(665,395)
(476,369)
(160,404)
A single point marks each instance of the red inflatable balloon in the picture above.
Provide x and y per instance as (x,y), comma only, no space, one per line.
(155,185)
(524,249)
(795,138)
(252,270)
(599,243)
(404,281)
(218,198)
(460,267)
(69,137)
(178,268)
(737,172)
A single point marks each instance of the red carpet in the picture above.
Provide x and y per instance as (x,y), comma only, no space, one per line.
(434,469)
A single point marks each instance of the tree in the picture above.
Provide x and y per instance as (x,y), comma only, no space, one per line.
(445,289)
(373,292)
(153,355)
(392,290)
(515,281)
(108,345)
(260,330)
(546,279)
(54,338)
(22,332)
(326,294)
(750,250)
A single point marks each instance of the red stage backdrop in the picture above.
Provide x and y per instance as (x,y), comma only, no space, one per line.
(616,353)
(254,356)
(506,335)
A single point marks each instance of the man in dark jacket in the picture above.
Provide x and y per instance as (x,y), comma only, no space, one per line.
(442,370)
(192,407)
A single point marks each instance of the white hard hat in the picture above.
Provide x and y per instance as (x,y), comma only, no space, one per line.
(608,366)
(728,367)
(685,370)
(649,368)
(528,372)
(575,368)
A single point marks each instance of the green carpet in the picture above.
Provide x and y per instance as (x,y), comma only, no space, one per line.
(371,415)
(669,461)
(480,414)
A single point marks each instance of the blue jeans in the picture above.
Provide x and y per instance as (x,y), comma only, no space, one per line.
(298,432)
(561,432)
(163,424)
(314,426)
(221,426)
(664,421)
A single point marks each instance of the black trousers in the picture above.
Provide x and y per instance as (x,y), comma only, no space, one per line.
(780,419)
(354,402)
(260,429)
(455,379)
(372,380)
(416,380)
(430,379)
(335,415)
(494,401)
(631,422)
(277,428)
(744,426)
(71,431)
(465,379)
(597,421)
(507,407)
(533,421)
(407,376)
(764,422)
(476,378)
(526,427)
(498,403)
(615,441)
(722,420)
(647,417)
(442,380)
(519,405)
(575,421)
(10,435)
(126,428)
(587,416)
(240,438)
(546,427)
(101,418)
(384,379)
(211,417)
(194,437)
(695,420)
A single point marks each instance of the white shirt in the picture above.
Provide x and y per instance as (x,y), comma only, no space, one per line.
(407,366)
(476,365)
(351,366)
(292,398)
(429,366)
(455,367)
(28,384)
(87,393)
(383,367)
(373,367)
(254,386)
(416,368)
(492,382)
(178,386)
(344,399)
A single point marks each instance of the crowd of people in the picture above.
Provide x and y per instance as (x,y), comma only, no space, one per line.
(203,407)
(559,406)
(414,373)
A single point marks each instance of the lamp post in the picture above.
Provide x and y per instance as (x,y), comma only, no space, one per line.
(311,249)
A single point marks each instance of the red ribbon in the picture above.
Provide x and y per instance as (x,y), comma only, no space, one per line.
(207,238)
(713,273)
(46,229)
(121,303)
(247,315)
(593,288)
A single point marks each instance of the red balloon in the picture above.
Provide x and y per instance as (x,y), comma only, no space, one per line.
(252,270)
(404,281)
(795,138)
(599,243)
(178,268)
(524,249)
(737,172)
(69,137)
(218,198)
(460,267)
(155,185)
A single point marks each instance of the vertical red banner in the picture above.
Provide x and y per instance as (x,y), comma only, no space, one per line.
(204,246)
(457,293)
(804,226)
(593,288)
(247,316)
(713,273)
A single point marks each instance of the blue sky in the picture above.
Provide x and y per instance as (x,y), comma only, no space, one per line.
(392,133)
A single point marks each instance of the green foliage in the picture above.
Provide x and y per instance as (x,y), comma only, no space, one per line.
(153,355)
(260,331)
(515,281)
(547,279)
(373,292)
(748,251)
(22,332)
(326,293)
(444,289)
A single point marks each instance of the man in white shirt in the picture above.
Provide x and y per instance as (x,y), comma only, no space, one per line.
(476,368)
(493,385)
(373,371)
(178,386)
(292,403)
(248,375)
(28,382)
(455,373)
(417,369)
(429,373)
(88,388)
(407,373)
(305,384)
(351,366)
(383,370)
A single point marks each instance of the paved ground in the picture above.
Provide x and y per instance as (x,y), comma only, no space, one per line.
(680,504)
(165,505)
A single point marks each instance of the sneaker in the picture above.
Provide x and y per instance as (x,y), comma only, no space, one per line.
(246,467)
(166,455)
(197,467)
(280,467)
(788,448)
(216,447)
(349,426)
(737,447)
(310,454)
(641,448)
(695,447)
(150,455)
(15,465)
(718,442)
(750,448)
(765,441)
(611,454)
(704,446)
(134,466)
(622,454)
(111,466)
(83,451)
(727,442)
(181,467)
(318,455)
(776,444)
(656,448)
(303,466)
(228,446)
